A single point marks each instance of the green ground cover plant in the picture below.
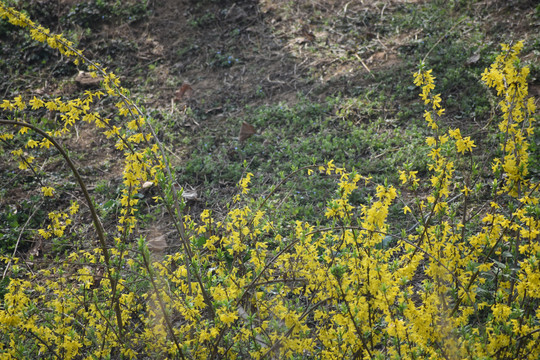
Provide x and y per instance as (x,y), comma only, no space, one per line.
(348,282)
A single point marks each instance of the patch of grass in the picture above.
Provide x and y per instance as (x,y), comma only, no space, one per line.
(91,14)
(203,20)
(457,59)
(292,137)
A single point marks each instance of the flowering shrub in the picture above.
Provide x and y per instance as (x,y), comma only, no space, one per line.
(464,282)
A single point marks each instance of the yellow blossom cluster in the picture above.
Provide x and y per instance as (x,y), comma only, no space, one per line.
(463,283)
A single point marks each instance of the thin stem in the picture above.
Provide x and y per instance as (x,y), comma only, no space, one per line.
(162,305)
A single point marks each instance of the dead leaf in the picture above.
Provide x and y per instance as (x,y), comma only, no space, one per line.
(189,194)
(156,48)
(473,59)
(34,251)
(377,57)
(98,276)
(147,184)
(184,92)
(246,131)
(85,80)
(307,34)
(157,244)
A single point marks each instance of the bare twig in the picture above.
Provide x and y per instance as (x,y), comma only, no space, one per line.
(364,65)
(18,240)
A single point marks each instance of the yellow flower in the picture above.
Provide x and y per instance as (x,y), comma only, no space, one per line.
(402,176)
(245,182)
(205,215)
(227,317)
(464,144)
(74,208)
(36,103)
(32,143)
(456,134)
(47,191)
(45,143)
(7,105)
(437,101)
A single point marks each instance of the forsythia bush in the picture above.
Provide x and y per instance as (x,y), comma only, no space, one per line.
(464,283)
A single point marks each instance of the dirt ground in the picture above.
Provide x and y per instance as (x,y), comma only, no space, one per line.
(218,58)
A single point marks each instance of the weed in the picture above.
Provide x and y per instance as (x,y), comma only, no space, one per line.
(223,60)
(203,20)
